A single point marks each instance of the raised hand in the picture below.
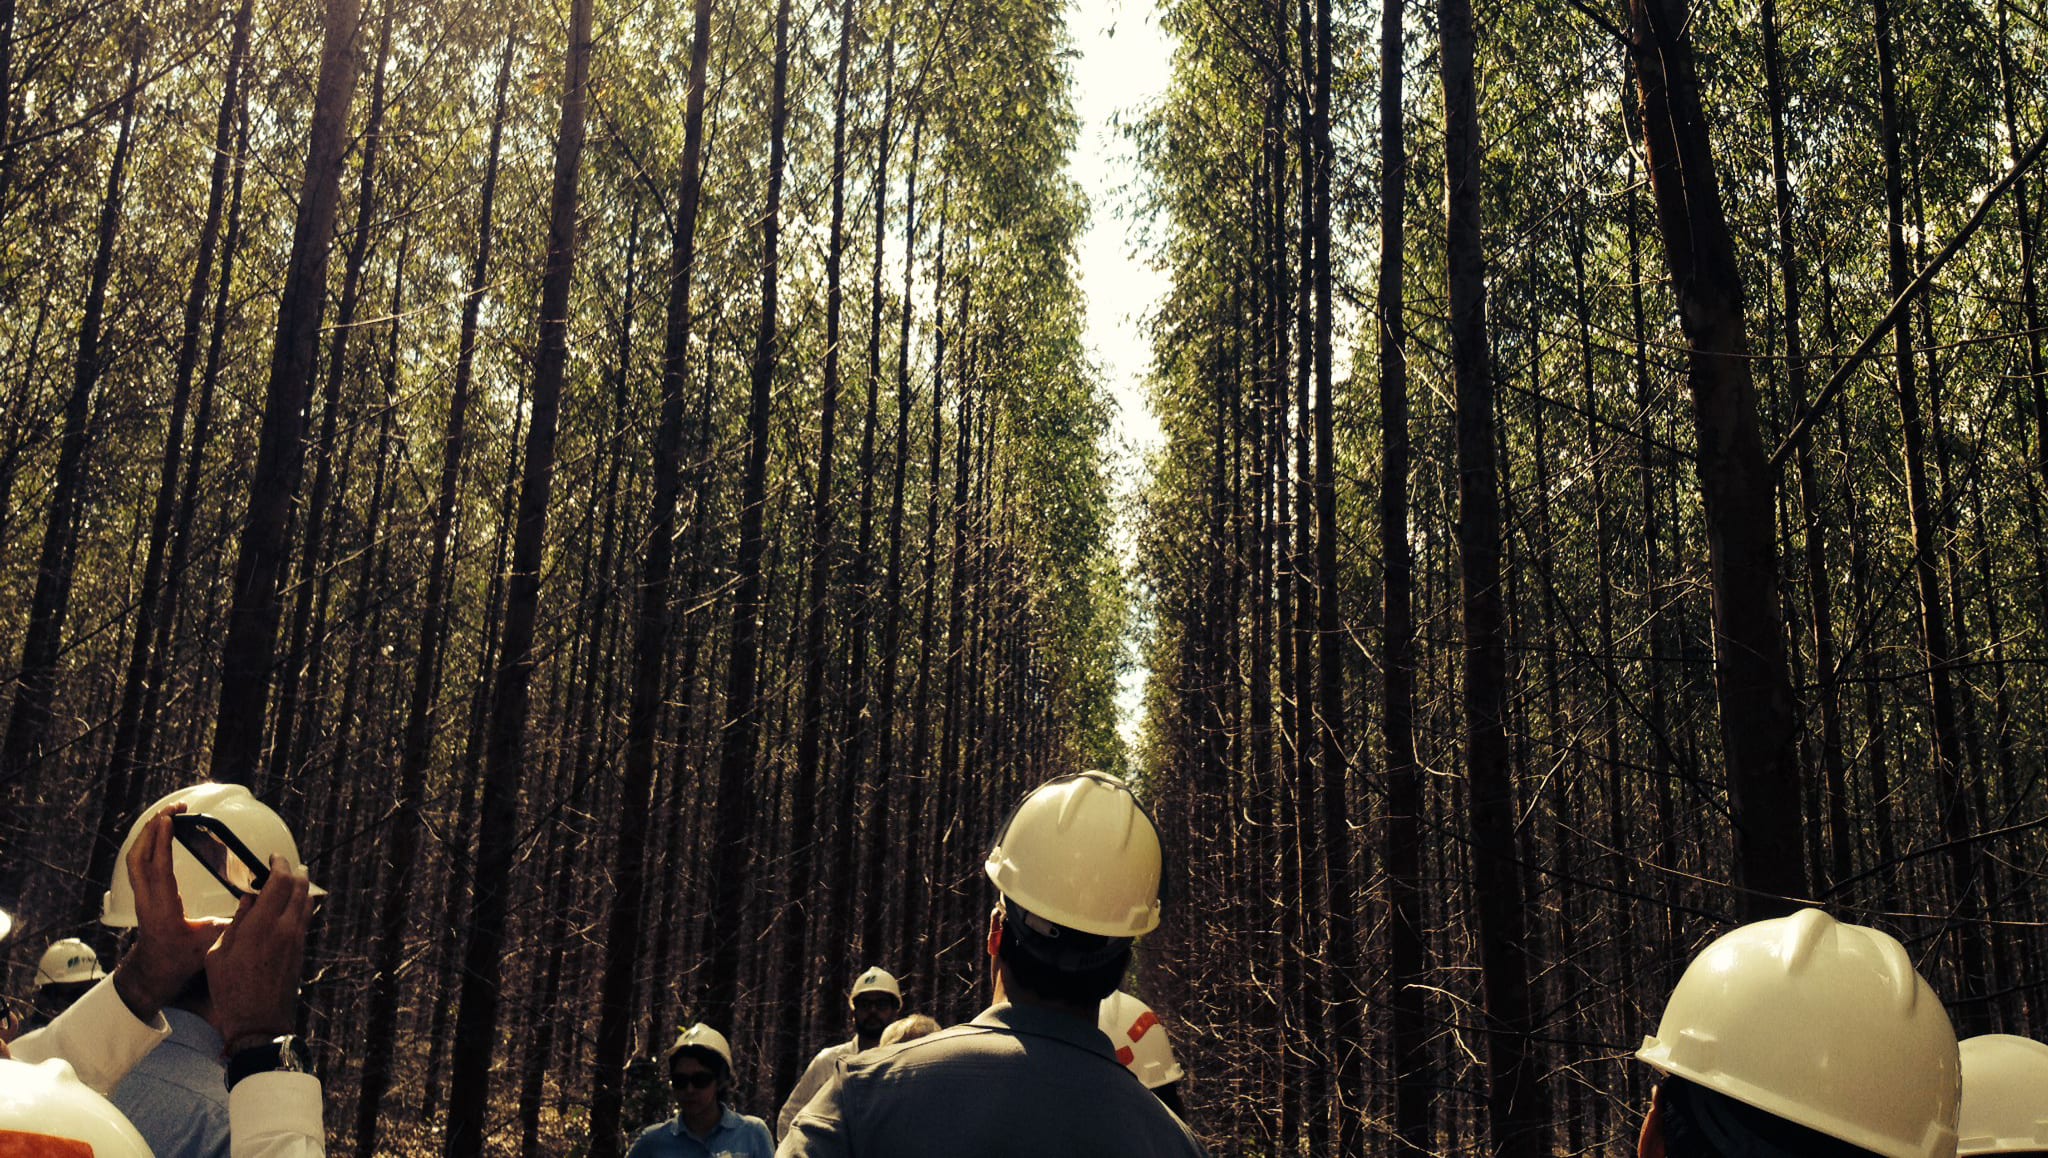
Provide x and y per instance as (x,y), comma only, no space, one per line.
(169,949)
(255,968)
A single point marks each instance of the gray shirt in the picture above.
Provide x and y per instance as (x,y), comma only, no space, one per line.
(1016,1082)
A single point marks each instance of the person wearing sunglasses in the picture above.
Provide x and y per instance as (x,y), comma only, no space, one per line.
(700,1078)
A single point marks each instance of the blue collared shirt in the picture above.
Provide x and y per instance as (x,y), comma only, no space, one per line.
(177,1096)
(737,1135)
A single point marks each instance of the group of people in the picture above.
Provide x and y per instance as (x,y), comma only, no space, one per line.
(1052,1066)
(1795,1037)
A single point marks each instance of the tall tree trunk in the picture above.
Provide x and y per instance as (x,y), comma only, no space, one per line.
(476,1027)
(1345,989)
(568,830)
(461,869)
(839,924)
(739,740)
(1514,1108)
(916,865)
(121,763)
(796,914)
(374,675)
(28,723)
(312,561)
(155,686)
(651,635)
(1820,591)
(360,700)
(1314,865)
(1661,758)
(1757,721)
(957,691)
(1409,1029)
(407,809)
(1967,930)
(2030,306)
(885,837)
(247,653)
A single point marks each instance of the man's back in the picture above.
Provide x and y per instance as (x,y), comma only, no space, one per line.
(1017,1080)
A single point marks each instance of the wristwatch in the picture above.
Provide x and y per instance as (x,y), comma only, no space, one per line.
(284,1054)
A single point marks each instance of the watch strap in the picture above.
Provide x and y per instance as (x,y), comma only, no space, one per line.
(278,1055)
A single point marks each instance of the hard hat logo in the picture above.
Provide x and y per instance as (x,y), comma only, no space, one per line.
(875,980)
(68,962)
(1080,852)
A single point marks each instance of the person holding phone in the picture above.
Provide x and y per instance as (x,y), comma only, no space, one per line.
(250,962)
(225,845)
(700,1074)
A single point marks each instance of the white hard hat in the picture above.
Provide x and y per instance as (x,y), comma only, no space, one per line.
(67,962)
(45,1110)
(702,1036)
(1140,1041)
(252,822)
(875,980)
(1080,852)
(1823,1024)
(2005,1096)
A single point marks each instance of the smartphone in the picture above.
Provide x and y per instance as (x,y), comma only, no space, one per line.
(216,846)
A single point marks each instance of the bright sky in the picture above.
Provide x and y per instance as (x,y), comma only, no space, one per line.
(1124,58)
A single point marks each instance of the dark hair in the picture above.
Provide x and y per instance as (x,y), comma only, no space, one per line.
(1702,1123)
(1088,983)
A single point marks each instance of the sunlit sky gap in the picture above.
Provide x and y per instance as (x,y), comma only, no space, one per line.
(1122,67)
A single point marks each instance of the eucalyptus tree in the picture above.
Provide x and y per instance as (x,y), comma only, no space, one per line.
(505,757)
(247,652)
(28,720)
(652,628)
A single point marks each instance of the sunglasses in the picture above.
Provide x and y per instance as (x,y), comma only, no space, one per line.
(693,1081)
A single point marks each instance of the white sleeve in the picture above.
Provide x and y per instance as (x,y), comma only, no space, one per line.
(98,1035)
(276,1115)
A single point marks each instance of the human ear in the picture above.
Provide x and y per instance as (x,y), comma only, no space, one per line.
(1650,1144)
